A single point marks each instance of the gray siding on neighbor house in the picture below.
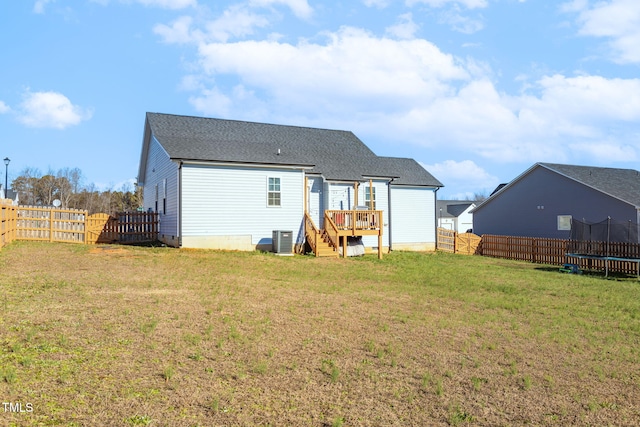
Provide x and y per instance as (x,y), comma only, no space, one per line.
(530,206)
(161,168)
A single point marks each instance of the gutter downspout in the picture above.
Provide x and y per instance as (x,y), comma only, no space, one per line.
(389,214)
(180,204)
(435,214)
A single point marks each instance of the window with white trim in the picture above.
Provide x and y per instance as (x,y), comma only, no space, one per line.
(273,192)
(370,191)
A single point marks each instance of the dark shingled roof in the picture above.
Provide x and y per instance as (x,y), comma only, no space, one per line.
(337,155)
(623,184)
(452,208)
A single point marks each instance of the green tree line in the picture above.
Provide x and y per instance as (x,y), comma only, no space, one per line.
(68,186)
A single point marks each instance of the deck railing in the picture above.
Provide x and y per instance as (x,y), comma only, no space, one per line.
(311,232)
(332,230)
(356,222)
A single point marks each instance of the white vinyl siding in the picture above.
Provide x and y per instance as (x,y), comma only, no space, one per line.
(161,181)
(315,200)
(413,214)
(232,201)
(381,203)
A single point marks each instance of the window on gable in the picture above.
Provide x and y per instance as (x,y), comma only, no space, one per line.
(273,192)
(370,197)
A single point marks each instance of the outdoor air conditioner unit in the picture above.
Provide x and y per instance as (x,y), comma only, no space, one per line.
(282,242)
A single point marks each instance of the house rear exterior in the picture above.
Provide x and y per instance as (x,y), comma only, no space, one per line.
(225,184)
(543,200)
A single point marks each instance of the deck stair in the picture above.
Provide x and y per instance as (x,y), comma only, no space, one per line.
(318,239)
(324,248)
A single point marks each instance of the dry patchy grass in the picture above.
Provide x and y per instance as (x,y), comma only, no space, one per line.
(155,336)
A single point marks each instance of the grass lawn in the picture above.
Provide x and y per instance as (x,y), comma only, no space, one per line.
(131,336)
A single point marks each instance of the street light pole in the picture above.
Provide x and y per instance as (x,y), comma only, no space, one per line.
(6,174)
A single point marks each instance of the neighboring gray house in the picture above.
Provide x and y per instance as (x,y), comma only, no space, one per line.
(9,194)
(542,201)
(229,184)
(455,215)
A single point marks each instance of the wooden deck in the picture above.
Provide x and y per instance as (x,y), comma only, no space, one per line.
(340,224)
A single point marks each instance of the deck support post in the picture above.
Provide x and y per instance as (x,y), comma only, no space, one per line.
(344,246)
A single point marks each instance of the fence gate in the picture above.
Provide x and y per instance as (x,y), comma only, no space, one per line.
(96,226)
(451,241)
(467,243)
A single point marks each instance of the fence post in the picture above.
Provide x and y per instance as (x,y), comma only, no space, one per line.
(534,249)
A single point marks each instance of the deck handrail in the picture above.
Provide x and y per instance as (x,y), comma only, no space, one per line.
(332,230)
(311,232)
(356,220)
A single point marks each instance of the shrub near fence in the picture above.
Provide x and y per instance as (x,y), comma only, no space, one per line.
(554,252)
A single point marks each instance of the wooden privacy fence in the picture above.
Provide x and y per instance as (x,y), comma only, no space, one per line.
(50,224)
(554,252)
(7,223)
(124,227)
(451,241)
(75,226)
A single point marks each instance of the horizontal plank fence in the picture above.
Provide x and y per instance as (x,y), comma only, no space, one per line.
(50,224)
(75,226)
(554,252)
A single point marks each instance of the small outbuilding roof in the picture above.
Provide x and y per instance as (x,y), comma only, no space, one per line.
(335,154)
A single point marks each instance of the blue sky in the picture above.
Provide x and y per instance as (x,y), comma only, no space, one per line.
(475,90)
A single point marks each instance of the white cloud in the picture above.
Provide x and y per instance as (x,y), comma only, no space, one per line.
(39,6)
(423,97)
(556,124)
(469,4)
(607,151)
(380,4)
(616,20)
(237,21)
(164,4)
(4,108)
(461,23)
(404,29)
(178,32)
(50,110)
(300,8)
(465,174)
(169,4)
(352,68)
